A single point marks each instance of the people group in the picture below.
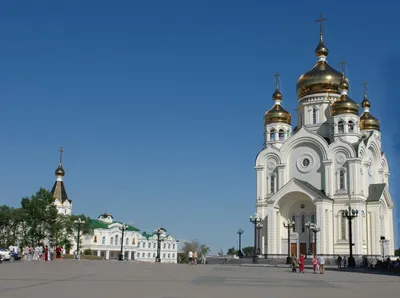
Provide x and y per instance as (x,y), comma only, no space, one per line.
(318,264)
(41,253)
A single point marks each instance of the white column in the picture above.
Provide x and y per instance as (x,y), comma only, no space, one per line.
(107,254)
(389,223)
(328,182)
(99,253)
(354,187)
(357,232)
(272,235)
(281,176)
(321,235)
(260,182)
(329,229)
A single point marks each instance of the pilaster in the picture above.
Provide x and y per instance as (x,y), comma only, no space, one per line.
(328,182)
(260,183)
(281,175)
(272,234)
(107,254)
(354,187)
(321,223)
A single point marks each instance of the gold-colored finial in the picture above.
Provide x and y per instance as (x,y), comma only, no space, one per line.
(320,21)
(277,75)
(61,153)
(343,63)
(364,84)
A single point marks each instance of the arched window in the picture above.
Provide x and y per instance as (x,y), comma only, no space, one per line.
(312,218)
(350,124)
(343,227)
(314,115)
(173,246)
(148,255)
(112,241)
(272,183)
(165,245)
(342,179)
(163,256)
(143,255)
(169,245)
(116,239)
(149,246)
(103,240)
(341,126)
(169,256)
(272,135)
(294,220)
(95,238)
(303,223)
(154,245)
(281,135)
(138,244)
(154,255)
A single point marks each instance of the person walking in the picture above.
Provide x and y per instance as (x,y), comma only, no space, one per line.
(195,257)
(301,263)
(321,264)
(190,257)
(344,261)
(339,262)
(315,264)
(294,263)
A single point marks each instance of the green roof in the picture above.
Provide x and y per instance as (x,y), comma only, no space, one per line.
(98,224)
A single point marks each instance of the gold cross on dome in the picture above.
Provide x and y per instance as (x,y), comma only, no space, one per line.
(61,153)
(364,84)
(277,75)
(343,64)
(320,20)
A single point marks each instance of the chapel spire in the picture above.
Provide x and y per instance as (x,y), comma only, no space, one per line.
(367,121)
(321,51)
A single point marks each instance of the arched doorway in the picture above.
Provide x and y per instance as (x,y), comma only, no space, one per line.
(297,207)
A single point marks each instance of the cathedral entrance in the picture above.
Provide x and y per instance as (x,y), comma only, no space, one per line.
(300,209)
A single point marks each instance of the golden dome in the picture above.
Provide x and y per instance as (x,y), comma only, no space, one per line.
(367,121)
(277,114)
(60,171)
(344,104)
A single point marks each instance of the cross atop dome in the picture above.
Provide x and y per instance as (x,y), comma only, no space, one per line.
(321,51)
(320,21)
(277,75)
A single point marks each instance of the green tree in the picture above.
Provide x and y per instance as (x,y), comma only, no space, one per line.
(194,245)
(231,251)
(40,214)
(248,250)
(397,252)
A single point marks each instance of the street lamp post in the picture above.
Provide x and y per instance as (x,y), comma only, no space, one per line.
(350,214)
(123,229)
(289,225)
(259,227)
(240,232)
(255,220)
(159,232)
(315,230)
(309,225)
(79,222)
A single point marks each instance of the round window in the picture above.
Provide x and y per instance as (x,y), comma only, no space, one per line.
(306,162)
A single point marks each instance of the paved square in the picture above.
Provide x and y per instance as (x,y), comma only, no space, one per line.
(103,279)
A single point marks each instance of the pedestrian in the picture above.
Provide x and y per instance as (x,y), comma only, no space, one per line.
(294,263)
(315,264)
(344,261)
(190,257)
(339,262)
(321,264)
(195,257)
(301,263)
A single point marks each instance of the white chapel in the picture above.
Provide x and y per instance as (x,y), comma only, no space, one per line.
(311,173)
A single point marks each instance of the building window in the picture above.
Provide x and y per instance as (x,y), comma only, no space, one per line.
(169,245)
(272,135)
(343,227)
(314,115)
(149,246)
(281,135)
(340,126)
(154,254)
(154,245)
(169,256)
(303,222)
(351,126)
(165,245)
(95,239)
(173,255)
(272,183)
(163,256)
(116,240)
(133,241)
(103,240)
(342,179)
(112,241)
(143,255)
(148,255)
(127,241)
(173,246)
(312,218)
(294,221)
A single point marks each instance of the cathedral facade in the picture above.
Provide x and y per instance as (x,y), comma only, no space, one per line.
(313,172)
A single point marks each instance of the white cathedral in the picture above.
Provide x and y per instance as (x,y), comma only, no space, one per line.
(333,158)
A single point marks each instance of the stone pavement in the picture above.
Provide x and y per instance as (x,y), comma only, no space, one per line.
(104,279)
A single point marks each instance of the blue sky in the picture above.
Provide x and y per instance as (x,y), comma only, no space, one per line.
(159,104)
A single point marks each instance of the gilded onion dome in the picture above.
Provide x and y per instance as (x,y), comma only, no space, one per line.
(367,121)
(60,171)
(277,114)
(321,78)
(344,104)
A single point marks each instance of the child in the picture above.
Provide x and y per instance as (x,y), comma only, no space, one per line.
(315,264)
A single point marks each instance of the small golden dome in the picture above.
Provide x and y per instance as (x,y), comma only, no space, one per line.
(344,105)
(321,49)
(344,84)
(277,95)
(60,171)
(277,115)
(367,121)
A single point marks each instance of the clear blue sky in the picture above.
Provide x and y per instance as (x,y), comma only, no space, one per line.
(159,104)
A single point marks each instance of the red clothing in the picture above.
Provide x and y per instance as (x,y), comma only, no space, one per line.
(46,254)
(301,263)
